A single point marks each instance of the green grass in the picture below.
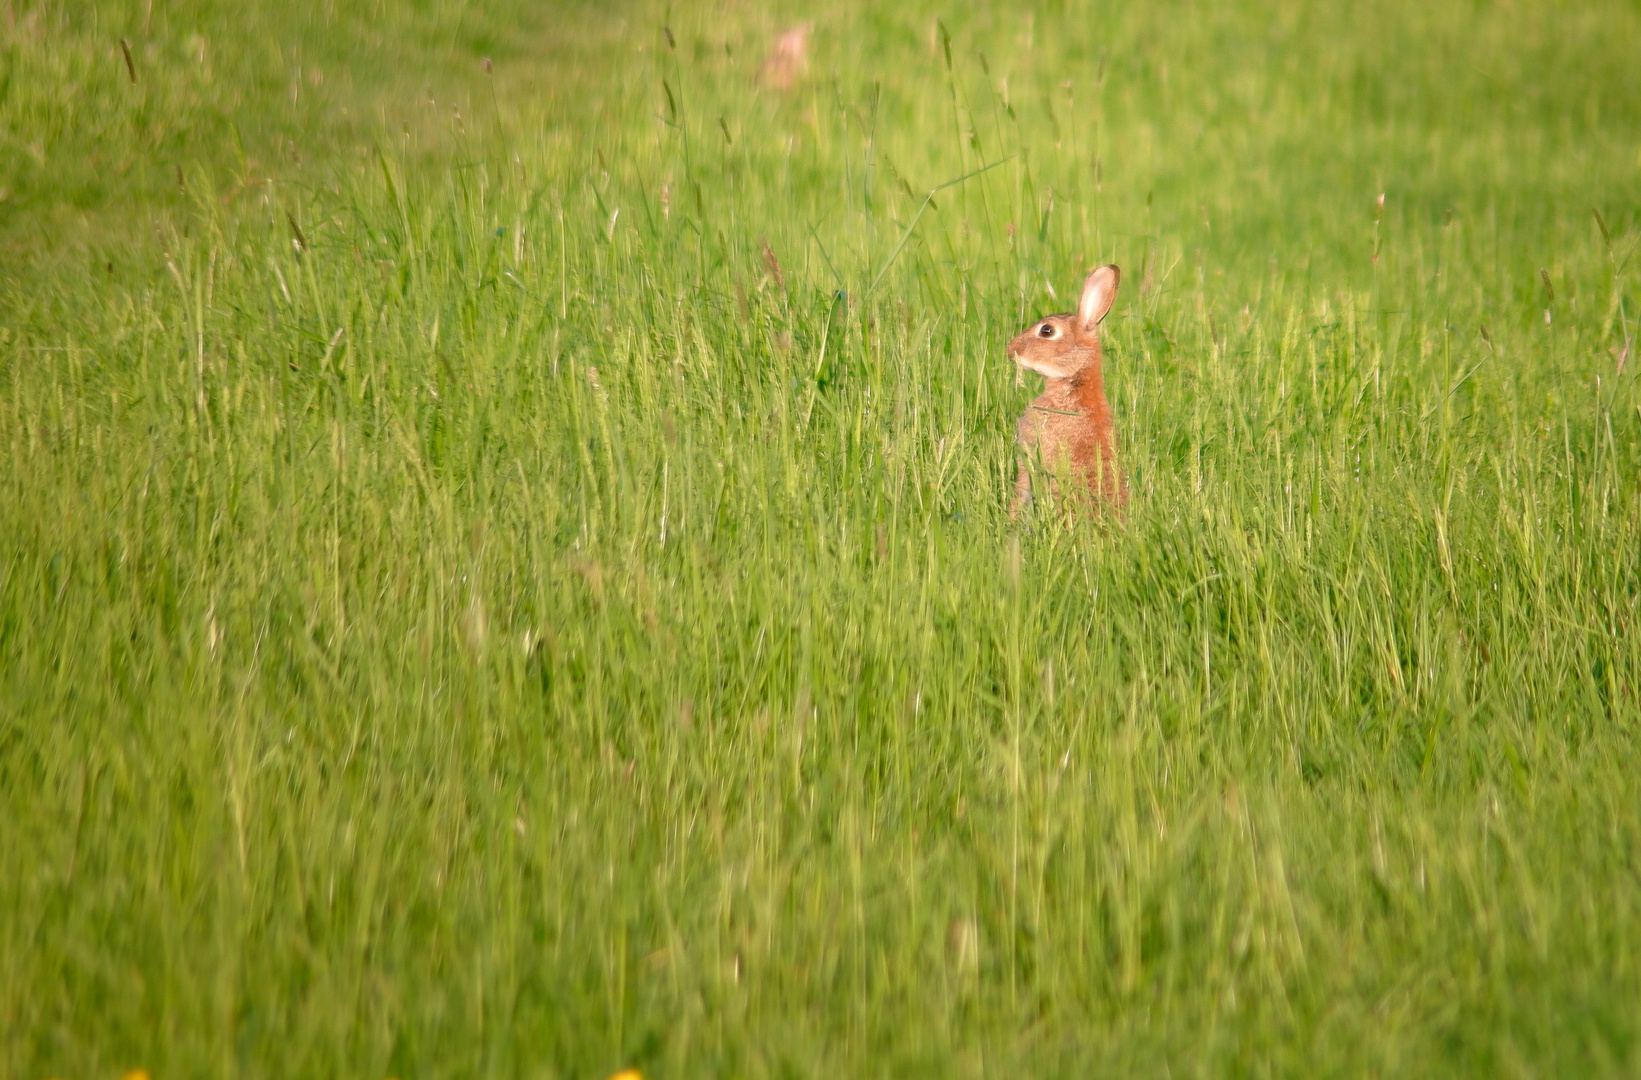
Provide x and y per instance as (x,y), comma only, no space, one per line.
(464,611)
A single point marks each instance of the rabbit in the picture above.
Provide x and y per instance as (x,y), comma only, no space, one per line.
(1068,428)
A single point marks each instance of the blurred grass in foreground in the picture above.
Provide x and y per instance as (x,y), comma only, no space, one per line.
(535,594)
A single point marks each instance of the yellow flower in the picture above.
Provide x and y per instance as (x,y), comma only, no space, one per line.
(628,1074)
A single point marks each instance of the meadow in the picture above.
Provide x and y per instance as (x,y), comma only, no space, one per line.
(505,563)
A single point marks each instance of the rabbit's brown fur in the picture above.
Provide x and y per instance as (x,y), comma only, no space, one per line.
(1068,428)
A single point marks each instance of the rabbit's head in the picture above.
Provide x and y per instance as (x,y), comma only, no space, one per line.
(1060,346)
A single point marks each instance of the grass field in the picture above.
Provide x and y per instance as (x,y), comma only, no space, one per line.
(505,566)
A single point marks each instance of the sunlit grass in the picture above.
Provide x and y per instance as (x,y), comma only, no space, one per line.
(535,595)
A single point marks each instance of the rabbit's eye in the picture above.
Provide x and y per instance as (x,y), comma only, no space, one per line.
(1045,331)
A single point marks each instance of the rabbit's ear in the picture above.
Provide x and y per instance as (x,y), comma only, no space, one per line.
(1098,292)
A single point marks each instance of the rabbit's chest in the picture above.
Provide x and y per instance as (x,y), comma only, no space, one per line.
(1051,421)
